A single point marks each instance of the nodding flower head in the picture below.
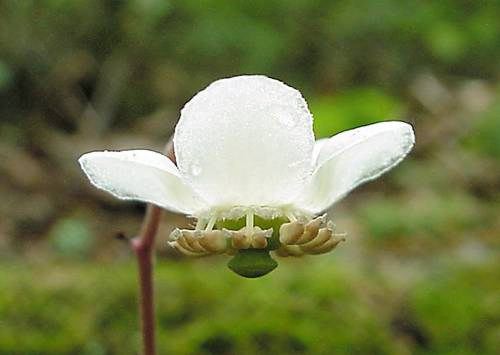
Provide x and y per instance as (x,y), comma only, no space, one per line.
(251,174)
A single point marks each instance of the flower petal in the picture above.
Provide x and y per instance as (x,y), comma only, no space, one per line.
(140,175)
(353,157)
(245,141)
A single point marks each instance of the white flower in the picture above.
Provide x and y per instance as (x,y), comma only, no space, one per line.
(248,166)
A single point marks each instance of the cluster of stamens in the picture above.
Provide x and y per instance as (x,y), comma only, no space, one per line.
(247,238)
(314,237)
(296,238)
(197,242)
(203,242)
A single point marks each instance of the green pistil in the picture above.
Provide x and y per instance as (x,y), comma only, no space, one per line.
(251,262)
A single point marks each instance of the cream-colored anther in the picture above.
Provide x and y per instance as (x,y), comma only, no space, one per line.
(243,239)
(175,234)
(320,240)
(198,243)
(179,242)
(311,230)
(328,246)
(297,233)
(259,237)
(323,235)
(259,242)
(289,250)
(190,240)
(239,239)
(291,232)
(185,251)
(214,241)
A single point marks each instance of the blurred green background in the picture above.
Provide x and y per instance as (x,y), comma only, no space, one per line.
(420,272)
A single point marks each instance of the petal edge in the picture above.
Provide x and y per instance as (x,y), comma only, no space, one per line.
(352,158)
(140,175)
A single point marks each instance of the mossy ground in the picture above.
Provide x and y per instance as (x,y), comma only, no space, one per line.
(314,306)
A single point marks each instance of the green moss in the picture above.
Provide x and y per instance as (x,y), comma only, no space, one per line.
(312,306)
(484,137)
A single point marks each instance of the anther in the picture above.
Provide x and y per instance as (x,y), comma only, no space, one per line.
(239,240)
(329,245)
(256,239)
(296,233)
(198,243)
(183,250)
(213,241)
(259,237)
(289,250)
(323,235)
(291,232)
(311,230)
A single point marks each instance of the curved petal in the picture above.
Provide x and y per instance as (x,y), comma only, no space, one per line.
(353,157)
(140,175)
(318,145)
(245,141)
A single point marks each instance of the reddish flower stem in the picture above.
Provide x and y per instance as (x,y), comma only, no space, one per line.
(143,245)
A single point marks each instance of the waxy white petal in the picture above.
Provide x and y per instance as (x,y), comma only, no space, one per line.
(140,175)
(353,157)
(318,145)
(245,141)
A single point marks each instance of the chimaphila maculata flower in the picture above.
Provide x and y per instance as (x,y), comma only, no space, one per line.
(250,173)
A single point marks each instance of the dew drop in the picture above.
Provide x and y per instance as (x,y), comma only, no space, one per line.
(285,117)
(195,169)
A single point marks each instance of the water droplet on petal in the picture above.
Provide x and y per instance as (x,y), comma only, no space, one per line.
(195,169)
(284,117)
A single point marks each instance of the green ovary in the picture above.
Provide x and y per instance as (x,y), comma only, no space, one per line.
(253,263)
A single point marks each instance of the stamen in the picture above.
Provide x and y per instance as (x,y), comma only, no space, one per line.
(315,236)
(200,223)
(324,234)
(249,224)
(211,222)
(291,217)
(289,250)
(198,243)
(291,232)
(214,241)
(301,235)
(240,240)
(182,250)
